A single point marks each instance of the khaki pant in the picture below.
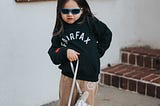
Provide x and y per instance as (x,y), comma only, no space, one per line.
(65,88)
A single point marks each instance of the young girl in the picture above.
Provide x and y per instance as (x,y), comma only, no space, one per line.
(78,34)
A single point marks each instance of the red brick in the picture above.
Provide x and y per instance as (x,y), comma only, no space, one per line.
(122,72)
(141,88)
(147,61)
(157,80)
(156,63)
(132,67)
(132,59)
(123,83)
(158,92)
(151,77)
(140,60)
(113,68)
(133,71)
(151,90)
(116,69)
(132,74)
(124,58)
(107,79)
(141,75)
(115,81)
(146,50)
(132,85)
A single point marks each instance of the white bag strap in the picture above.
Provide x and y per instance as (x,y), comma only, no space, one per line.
(74,81)
(77,84)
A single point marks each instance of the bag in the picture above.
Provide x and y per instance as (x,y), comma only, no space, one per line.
(82,99)
(83,96)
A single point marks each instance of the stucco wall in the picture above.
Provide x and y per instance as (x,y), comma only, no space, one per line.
(27,76)
(133,23)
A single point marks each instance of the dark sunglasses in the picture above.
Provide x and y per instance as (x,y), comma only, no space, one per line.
(72,11)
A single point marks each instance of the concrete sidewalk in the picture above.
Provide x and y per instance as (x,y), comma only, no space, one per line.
(111,96)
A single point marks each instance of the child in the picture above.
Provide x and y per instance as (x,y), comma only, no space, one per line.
(78,34)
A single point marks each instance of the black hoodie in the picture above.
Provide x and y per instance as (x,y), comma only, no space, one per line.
(91,39)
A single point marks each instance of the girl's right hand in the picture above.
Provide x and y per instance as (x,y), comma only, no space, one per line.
(72,55)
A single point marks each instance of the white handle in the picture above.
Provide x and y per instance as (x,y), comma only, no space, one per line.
(74,80)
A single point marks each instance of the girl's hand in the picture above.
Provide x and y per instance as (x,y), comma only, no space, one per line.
(72,55)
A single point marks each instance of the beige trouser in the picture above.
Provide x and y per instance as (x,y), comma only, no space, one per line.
(65,88)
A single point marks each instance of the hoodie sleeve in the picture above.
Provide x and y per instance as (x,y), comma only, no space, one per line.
(56,52)
(103,35)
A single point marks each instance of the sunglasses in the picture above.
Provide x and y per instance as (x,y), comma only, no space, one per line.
(72,11)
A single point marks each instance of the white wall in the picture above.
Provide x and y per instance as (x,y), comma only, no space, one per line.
(133,23)
(27,76)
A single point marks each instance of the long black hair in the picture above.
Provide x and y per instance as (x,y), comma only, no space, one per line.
(58,29)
